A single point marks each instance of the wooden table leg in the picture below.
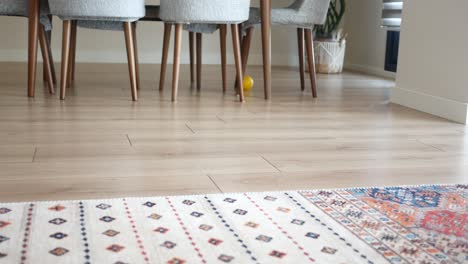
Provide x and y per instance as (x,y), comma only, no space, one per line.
(33,30)
(265,6)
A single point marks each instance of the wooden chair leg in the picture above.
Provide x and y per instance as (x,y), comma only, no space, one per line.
(222,38)
(167,39)
(48,35)
(199,60)
(192,57)
(311,60)
(65,57)
(177,48)
(300,41)
(131,58)
(71,65)
(245,51)
(238,60)
(137,61)
(46,59)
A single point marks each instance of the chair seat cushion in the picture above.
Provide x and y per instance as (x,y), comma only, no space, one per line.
(99,10)
(205,11)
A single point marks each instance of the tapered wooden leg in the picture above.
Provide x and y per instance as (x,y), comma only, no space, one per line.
(300,41)
(222,38)
(265,7)
(48,35)
(199,60)
(137,61)
(167,39)
(33,29)
(238,60)
(71,63)
(192,57)
(51,57)
(65,57)
(46,59)
(177,48)
(245,51)
(311,60)
(131,58)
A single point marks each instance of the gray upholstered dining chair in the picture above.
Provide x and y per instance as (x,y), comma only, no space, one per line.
(196,30)
(99,14)
(302,14)
(20,8)
(221,12)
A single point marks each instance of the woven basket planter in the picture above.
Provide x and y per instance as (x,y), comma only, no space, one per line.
(329,56)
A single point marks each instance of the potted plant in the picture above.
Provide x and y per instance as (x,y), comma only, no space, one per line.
(330,42)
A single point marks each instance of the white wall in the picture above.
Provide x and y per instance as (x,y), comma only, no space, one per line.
(105,46)
(433,63)
(367,39)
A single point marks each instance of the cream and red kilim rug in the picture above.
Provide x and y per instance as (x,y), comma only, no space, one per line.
(418,224)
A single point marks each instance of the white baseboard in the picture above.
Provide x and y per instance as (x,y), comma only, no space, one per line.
(438,106)
(370,70)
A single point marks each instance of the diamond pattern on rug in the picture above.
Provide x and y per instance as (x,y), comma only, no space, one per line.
(59,251)
(59,235)
(57,221)
(3,238)
(115,248)
(412,224)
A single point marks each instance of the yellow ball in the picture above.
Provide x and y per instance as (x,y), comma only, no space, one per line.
(248,82)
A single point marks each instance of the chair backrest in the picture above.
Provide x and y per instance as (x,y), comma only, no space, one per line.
(315,10)
(104,10)
(205,11)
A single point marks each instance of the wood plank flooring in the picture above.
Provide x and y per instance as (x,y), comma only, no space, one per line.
(98,143)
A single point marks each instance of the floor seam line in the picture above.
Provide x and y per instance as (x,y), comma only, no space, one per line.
(429,145)
(129,141)
(34,155)
(189,128)
(271,164)
(211,179)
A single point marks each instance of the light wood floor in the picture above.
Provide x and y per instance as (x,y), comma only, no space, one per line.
(98,143)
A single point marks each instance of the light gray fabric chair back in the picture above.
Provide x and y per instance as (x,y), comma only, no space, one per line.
(103,10)
(314,11)
(20,8)
(205,11)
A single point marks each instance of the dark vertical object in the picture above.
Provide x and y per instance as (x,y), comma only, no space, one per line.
(46,58)
(222,39)
(199,60)
(33,31)
(311,60)
(192,58)
(265,7)
(71,62)
(391,56)
(300,41)
(167,38)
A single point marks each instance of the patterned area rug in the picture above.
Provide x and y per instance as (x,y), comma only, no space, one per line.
(417,224)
